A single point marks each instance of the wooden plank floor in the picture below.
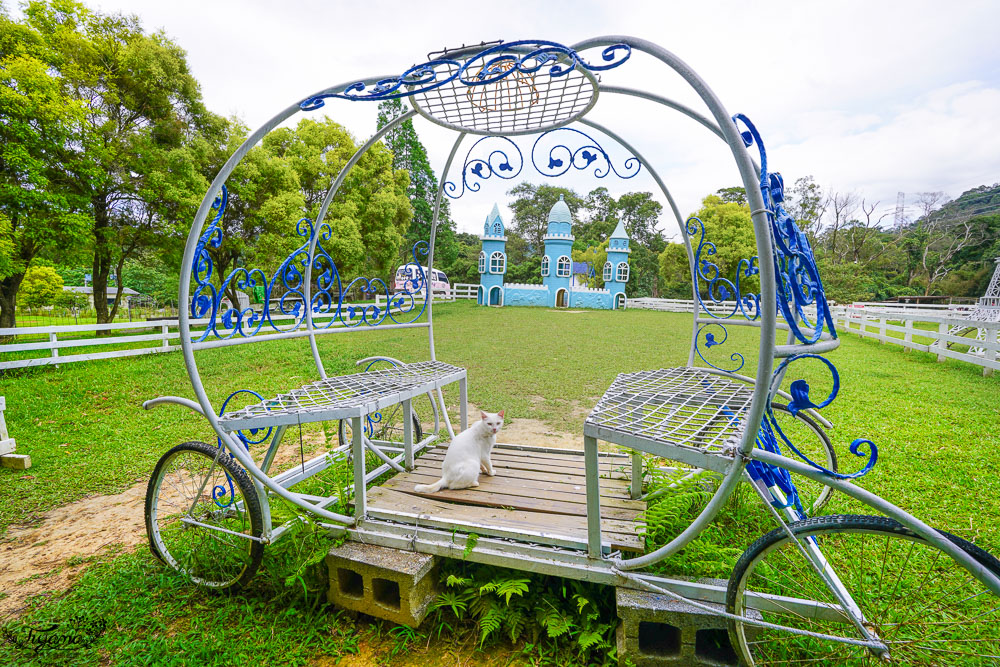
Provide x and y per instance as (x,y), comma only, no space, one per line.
(538,492)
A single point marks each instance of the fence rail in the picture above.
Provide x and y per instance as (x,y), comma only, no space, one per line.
(57,340)
(920,328)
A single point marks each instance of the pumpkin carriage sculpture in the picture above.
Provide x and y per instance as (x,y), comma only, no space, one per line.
(828,589)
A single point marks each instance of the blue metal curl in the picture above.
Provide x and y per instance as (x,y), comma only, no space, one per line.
(498,64)
(327,295)
(710,341)
(802,401)
(798,281)
(721,289)
(561,157)
(497,163)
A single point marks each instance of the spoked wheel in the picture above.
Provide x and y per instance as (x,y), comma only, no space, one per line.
(385,425)
(813,441)
(925,607)
(201,510)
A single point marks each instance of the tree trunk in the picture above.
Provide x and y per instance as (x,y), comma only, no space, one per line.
(8,300)
(101,268)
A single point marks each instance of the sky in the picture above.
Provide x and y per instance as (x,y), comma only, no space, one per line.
(871,97)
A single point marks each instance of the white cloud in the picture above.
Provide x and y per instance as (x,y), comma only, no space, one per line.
(876,97)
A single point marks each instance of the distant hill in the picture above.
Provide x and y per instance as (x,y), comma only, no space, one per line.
(983,200)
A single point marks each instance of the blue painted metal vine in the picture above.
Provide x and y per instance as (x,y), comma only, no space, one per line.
(249,437)
(497,63)
(561,157)
(797,277)
(799,389)
(496,163)
(326,297)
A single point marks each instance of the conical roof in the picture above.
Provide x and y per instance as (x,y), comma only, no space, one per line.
(494,214)
(619,232)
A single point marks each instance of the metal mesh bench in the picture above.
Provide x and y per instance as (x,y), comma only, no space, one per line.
(685,414)
(345,396)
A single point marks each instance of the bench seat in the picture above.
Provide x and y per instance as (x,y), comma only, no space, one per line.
(344,396)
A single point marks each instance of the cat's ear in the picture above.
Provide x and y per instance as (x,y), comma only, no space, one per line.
(501,414)
(482,415)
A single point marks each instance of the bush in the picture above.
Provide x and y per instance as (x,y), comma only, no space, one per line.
(41,286)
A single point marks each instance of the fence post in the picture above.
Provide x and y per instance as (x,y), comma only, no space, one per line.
(908,336)
(862,325)
(941,342)
(166,330)
(990,353)
(881,330)
(55,350)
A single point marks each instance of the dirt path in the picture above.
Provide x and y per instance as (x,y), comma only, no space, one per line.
(47,557)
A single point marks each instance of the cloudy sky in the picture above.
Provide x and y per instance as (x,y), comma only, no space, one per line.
(873,97)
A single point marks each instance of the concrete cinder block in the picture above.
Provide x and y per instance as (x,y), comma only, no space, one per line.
(15,461)
(390,584)
(658,630)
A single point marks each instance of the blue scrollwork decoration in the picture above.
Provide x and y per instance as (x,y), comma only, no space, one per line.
(801,400)
(797,277)
(486,67)
(717,289)
(586,152)
(497,162)
(287,289)
(709,341)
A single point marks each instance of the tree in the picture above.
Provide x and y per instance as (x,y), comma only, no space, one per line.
(597,255)
(41,286)
(142,105)
(38,211)
(409,154)
(675,271)
(531,207)
(842,205)
(806,204)
(640,213)
(733,195)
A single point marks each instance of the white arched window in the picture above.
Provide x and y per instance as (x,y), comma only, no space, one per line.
(498,262)
(607,271)
(545,266)
(562,267)
(482,262)
(497,229)
(622,276)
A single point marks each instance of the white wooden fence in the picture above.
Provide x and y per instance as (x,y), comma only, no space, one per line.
(914,328)
(152,336)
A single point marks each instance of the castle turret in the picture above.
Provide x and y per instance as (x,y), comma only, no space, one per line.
(557,265)
(492,260)
(616,269)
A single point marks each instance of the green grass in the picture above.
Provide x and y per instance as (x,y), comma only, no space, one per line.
(83,425)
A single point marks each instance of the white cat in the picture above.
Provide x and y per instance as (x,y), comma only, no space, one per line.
(468,455)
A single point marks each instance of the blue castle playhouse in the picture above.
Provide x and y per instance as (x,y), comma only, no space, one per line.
(558,289)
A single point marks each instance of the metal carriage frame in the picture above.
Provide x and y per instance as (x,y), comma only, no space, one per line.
(728,416)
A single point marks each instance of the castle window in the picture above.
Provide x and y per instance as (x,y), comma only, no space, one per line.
(562,267)
(608,270)
(622,276)
(498,262)
(482,262)
(545,266)
(497,229)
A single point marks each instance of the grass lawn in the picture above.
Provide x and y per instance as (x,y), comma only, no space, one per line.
(935,425)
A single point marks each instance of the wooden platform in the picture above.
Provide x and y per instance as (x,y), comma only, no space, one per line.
(532,493)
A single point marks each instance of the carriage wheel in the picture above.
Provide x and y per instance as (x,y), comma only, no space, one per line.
(925,607)
(195,482)
(386,425)
(815,443)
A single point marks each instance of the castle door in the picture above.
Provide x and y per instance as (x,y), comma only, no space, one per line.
(619,301)
(562,298)
(496,296)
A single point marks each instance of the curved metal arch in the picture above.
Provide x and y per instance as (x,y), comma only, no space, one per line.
(184,319)
(677,216)
(750,177)
(324,207)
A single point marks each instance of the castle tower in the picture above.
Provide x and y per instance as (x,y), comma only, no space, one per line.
(557,263)
(492,260)
(616,269)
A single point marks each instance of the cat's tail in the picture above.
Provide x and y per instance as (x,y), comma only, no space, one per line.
(430,488)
